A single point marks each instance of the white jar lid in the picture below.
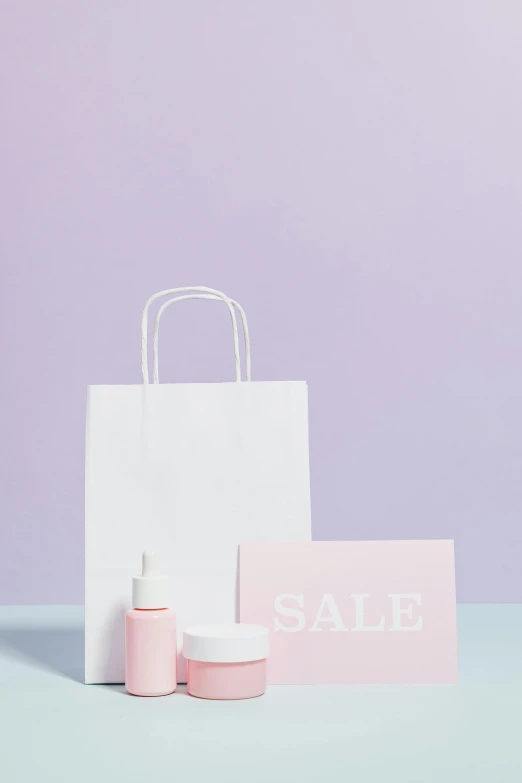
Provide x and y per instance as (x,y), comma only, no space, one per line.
(226,643)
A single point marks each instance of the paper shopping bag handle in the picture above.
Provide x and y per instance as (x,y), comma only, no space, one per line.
(216,295)
(230,303)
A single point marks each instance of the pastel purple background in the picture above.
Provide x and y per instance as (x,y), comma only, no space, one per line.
(350,172)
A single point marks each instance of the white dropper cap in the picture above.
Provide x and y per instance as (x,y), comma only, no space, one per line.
(150,590)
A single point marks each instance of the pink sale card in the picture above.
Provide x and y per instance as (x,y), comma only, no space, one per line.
(353,611)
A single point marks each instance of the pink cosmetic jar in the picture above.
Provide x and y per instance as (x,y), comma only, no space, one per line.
(226,661)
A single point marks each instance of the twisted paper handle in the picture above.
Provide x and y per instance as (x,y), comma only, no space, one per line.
(211,293)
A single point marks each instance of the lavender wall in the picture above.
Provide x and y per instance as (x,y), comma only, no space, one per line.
(351,172)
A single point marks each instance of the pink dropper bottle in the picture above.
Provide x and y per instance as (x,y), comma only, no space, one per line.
(150,634)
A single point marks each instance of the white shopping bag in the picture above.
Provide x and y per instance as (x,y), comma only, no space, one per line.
(192,470)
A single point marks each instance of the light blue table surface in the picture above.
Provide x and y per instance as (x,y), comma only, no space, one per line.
(55,728)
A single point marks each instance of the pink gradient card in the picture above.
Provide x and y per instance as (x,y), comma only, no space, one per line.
(353,611)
